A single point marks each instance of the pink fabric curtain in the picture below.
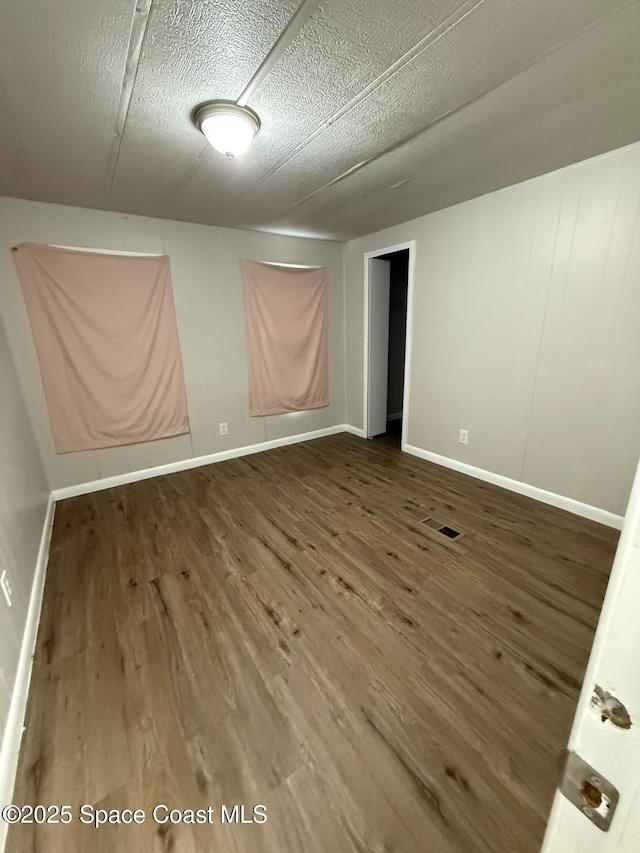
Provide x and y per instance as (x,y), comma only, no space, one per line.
(105,331)
(287,320)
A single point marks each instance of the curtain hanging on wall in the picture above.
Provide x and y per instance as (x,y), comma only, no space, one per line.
(287,322)
(105,331)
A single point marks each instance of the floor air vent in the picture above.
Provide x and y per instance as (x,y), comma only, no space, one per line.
(450,532)
(443,529)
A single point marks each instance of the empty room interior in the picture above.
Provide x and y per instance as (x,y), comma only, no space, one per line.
(319,426)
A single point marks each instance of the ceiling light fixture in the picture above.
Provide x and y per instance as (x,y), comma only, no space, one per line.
(229,128)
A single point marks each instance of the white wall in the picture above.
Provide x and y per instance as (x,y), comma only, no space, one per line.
(526,330)
(209,308)
(23,503)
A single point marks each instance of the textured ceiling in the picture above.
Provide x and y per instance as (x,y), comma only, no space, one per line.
(373,111)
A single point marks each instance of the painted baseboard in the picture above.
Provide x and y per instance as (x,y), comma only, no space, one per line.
(354,430)
(576,507)
(15,720)
(194,462)
(394,417)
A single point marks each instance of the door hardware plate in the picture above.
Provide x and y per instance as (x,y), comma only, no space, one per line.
(589,791)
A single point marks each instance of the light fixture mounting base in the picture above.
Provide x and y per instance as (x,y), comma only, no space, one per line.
(221,107)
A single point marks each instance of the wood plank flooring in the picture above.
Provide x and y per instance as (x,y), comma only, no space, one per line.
(282,630)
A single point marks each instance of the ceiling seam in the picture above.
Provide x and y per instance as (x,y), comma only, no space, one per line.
(419,47)
(449,113)
(291,30)
(15,140)
(530,121)
(435,121)
(137,33)
(267,65)
(188,175)
(490,139)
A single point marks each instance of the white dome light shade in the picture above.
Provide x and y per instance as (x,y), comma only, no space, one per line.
(229,128)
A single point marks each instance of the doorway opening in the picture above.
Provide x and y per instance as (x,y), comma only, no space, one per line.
(388,276)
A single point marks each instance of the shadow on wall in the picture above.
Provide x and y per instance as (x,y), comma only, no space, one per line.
(23,497)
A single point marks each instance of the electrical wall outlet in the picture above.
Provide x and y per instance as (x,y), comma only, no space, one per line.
(6,587)
(464,436)
(224,429)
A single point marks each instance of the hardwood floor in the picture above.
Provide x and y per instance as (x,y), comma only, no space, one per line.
(282,630)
